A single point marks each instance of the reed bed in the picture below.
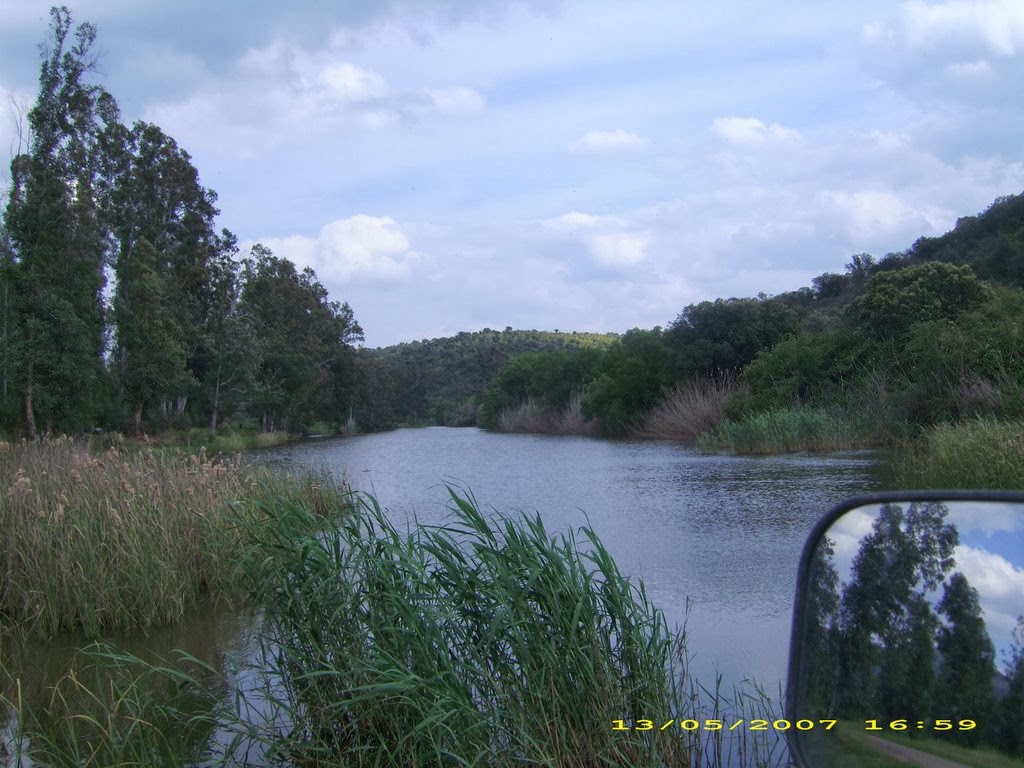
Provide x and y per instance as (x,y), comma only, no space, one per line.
(477,643)
(688,410)
(105,542)
(978,453)
(531,417)
(783,430)
(466,644)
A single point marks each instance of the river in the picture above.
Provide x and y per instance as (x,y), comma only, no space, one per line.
(722,533)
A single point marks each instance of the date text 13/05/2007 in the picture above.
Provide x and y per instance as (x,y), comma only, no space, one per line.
(721,725)
(785,725)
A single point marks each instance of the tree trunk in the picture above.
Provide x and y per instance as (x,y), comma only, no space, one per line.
(30,417)
(137,421)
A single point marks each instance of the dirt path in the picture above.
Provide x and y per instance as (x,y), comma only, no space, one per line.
(911,756)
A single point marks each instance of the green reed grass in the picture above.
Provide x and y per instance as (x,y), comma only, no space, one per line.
(466,644)
(979,453)
(109,541)
(783,430)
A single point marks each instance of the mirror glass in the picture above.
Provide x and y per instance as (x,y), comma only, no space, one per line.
(908,636)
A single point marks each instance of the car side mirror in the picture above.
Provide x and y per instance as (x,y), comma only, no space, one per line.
(908,631)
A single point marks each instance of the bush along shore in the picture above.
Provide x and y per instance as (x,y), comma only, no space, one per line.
(480,642)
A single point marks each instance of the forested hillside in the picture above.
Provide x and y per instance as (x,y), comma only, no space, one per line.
(122,307)
(932,335)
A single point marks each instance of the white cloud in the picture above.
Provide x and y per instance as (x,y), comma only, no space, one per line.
(455,100)
(359,248)
(617,250)
(970,69)
(601,142)
(750,130)
(347,82)
(997,24)
(869,214)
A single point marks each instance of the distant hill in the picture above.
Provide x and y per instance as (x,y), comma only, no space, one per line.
(440,380)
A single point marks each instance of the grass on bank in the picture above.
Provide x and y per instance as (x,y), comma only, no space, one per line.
(978,453)
(105,542)
(783,430)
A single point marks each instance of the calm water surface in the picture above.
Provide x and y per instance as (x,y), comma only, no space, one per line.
(723,533)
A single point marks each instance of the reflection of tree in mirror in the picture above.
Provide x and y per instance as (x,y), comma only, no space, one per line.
(821,673)
(1009,733)
(967,657)
(904,637)
(887,627)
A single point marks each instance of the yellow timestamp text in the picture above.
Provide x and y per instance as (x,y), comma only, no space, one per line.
(690,724)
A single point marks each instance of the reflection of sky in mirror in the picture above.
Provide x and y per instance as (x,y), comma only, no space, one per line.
(990,555)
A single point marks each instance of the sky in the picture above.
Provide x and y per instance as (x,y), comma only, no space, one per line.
(448,165)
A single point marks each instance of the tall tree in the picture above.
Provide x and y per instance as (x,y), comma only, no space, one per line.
(1010,712)
(156,198)
(58,239)
(967,656)
(150,344)
(300,336)
(885,617)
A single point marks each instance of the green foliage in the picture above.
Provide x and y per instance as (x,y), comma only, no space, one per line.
(726,334)
(633,376)
(54,273)
(1009,736)
(992,243)
(894,300)
(967,657)
(442,381)
(888,629)
(549,378)
(300,335)
(150,346)
(806,369)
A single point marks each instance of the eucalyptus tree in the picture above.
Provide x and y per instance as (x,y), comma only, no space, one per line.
(301,338)
(162,220)
(58,240)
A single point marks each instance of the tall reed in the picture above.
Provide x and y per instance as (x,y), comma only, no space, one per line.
(978,453)
(530,416)
(783,430)
(102,542)
(468,644)
(689,409)
(477,643)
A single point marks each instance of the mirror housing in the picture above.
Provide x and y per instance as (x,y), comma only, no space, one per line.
(890,651)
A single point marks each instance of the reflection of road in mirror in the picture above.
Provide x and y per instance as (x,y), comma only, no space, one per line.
(911,631)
